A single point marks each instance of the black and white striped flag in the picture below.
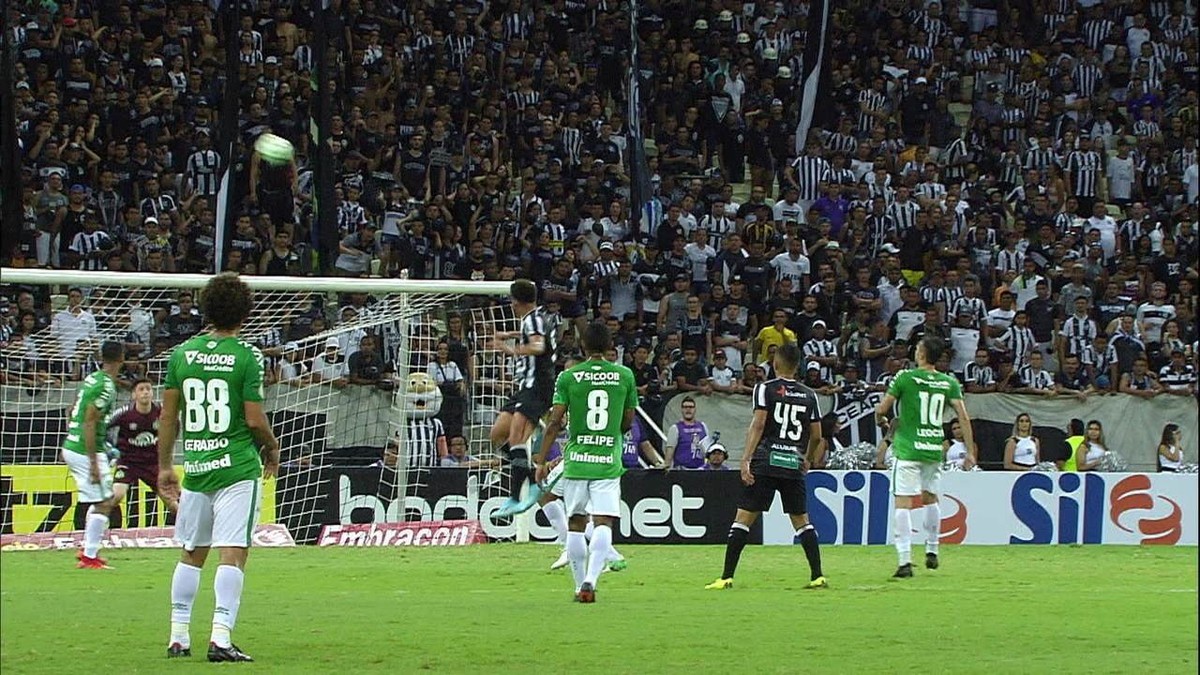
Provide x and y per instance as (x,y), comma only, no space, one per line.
(640,191)
(227,133)
(815,78)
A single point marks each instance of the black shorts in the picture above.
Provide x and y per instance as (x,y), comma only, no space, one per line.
(792,493)
(532,403)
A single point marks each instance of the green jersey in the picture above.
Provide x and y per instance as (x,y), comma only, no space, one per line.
(215,377)
(922,396)
(597,394)
(98,390)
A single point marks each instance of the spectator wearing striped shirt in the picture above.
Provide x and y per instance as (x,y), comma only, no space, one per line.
(1083,172)
(1178,377)
(1078,330)
(90,248)
(805,174)
(978,376)
(1034,378)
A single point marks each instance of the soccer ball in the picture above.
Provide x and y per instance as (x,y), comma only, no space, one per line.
(274,149)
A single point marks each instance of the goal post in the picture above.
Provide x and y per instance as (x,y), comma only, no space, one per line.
(383,418)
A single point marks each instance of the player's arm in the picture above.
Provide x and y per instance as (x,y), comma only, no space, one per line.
(884,409)
(753,435)
(631,399)
(91,420)
(964,423)
(554,426)
(256,417)
(168,430)
(264,436)
(669,445)
(815,455)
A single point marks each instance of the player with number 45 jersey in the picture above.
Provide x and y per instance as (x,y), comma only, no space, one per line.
(922,394)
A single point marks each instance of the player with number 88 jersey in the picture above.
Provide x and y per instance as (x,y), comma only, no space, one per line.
(212,399)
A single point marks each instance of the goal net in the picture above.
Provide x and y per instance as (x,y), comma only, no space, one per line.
(371,374)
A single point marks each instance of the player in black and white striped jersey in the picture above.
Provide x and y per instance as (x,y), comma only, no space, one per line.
(903,211)
(1018,339)
(533,349)
(1078,330)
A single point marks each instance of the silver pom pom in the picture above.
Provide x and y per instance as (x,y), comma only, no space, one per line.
(1112,462)
(857,457)
(1190,467)
(954,466)
(1046,467)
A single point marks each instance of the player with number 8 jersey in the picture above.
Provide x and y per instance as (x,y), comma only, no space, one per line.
(599,400)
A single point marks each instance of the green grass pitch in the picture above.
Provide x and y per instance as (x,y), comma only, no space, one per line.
(497,609)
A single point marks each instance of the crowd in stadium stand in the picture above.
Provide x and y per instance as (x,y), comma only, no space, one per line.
(1017,176)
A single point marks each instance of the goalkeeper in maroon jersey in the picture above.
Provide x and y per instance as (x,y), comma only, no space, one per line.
(136,438)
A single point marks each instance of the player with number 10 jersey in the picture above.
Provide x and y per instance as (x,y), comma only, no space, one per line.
(923,393)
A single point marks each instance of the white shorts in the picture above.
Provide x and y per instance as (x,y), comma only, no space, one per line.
(598,497)
(554,479)
(223,518)
(911,478)
(80,466)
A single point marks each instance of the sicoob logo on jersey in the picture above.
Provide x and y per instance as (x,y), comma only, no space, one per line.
(1133,494)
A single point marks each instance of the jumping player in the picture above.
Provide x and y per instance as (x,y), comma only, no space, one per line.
(922,393)
(786,426)
(533,351)
(83,451)
(215,381)
(136,428)
(599,399)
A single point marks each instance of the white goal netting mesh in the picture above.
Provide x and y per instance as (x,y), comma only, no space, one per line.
(386,380)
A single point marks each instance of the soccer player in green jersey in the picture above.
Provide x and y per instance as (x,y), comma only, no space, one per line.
(215,382)
(599,399)
(85,454)
(922,393)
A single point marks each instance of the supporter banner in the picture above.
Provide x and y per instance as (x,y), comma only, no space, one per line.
(855,507)
(657,507)
(432,533)
(267,536)
(41,498)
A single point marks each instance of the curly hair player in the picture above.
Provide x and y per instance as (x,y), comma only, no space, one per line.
(215,381)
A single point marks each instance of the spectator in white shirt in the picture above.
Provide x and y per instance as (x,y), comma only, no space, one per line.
(330,366)
(73,324)
(793,264)
(701,253)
